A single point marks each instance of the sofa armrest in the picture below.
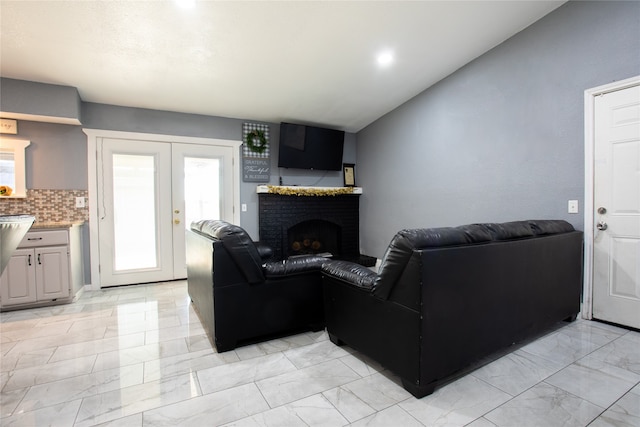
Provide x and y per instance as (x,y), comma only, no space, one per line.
(264,251)
(350,272)
(300,265)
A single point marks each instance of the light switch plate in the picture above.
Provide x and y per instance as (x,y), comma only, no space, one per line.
(572,207)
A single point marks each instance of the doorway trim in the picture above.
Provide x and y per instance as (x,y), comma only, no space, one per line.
(589,146)
(93,135)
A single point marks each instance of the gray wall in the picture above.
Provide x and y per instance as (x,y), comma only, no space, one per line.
(25,97)
(502,138)
(56,159)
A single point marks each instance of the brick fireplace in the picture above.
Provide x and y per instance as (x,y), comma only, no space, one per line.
(300,225)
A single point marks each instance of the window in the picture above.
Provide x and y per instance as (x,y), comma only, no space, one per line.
(12,165)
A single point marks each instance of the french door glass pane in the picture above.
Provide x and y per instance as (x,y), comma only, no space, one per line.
(134,203)
(201,189)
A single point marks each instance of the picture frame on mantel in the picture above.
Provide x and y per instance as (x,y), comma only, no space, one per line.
(349,173)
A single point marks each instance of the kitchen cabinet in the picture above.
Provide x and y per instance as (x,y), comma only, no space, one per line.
(45,269)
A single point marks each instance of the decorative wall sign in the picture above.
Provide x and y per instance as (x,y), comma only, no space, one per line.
(9,126)
(256,163)
(349,170)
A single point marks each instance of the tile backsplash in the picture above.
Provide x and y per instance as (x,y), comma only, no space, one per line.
(48,205)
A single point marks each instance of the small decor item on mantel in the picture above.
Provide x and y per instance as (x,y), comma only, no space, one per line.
(5,190)
(349,171)
(256,164)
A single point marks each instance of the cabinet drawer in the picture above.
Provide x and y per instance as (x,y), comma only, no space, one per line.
(45,238)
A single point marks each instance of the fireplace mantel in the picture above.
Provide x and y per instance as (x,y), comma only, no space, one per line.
(264,189)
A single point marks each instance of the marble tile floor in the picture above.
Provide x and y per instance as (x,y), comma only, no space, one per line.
(138,356)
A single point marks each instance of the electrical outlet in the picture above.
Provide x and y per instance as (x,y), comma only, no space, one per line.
(572,207)
(244,207)
(80,202)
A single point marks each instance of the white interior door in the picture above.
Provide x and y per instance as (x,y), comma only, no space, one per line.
(202,189)
(616,245)
(135,227)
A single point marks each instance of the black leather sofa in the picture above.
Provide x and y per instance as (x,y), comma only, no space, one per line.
(240,296)
(445,300)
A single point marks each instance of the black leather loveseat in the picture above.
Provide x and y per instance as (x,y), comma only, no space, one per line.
(241,297)
(445,299)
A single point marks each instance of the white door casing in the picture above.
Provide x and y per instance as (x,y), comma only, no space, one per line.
(612,203)
(95,139)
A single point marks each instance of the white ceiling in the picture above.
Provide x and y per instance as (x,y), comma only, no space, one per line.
(312,62)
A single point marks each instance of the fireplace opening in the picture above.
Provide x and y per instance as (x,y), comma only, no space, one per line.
(314,237)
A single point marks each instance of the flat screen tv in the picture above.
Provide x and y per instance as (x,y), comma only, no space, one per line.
(309,147)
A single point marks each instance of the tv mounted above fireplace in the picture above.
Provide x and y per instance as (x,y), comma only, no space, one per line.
(310,147)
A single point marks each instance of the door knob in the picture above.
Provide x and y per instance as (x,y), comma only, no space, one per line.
(177,211)
(602,210)
(602,226)
(176,221)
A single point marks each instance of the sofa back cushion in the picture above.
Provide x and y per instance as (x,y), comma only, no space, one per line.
(237,243)
(542,227)
(405,242)
(508,230)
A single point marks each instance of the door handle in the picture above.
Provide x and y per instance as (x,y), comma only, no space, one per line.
(602,226)
(29,259)
(176,221)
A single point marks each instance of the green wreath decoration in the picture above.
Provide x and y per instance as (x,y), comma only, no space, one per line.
(260,145)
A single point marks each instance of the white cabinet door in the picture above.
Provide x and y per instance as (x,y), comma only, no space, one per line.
(18,282)
(52,272)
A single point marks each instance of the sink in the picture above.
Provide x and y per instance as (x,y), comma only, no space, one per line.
(12,230)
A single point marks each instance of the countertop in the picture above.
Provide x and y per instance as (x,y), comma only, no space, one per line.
(51,225)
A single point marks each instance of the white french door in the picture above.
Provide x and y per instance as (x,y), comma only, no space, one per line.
(199,191)
(148,193)
(135,221)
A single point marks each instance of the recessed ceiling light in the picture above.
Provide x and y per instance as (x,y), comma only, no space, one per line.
(186,4)
(385,59)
